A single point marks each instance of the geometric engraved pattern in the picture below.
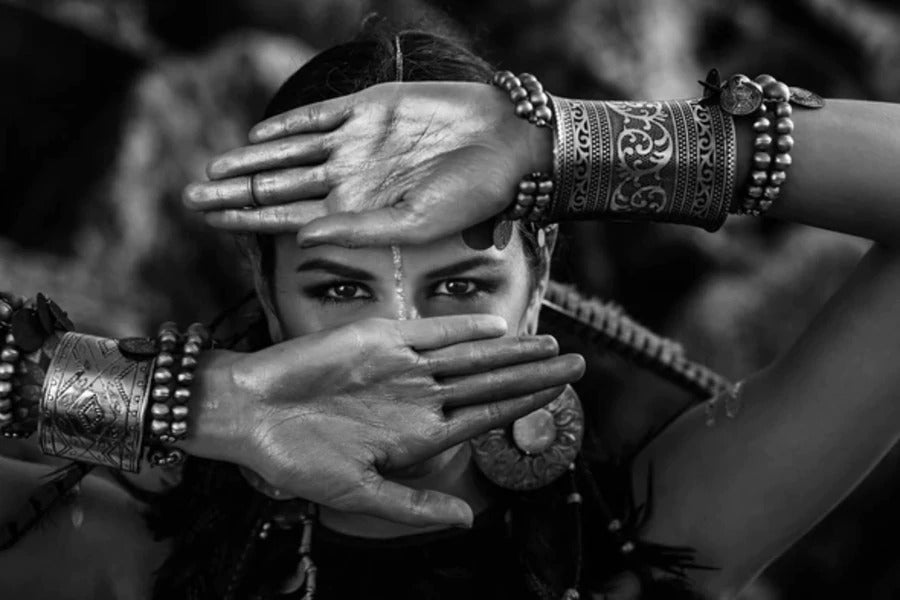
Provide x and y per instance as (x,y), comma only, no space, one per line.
(93,402)
(671,161)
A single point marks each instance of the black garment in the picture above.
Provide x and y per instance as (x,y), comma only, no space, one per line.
(449,564)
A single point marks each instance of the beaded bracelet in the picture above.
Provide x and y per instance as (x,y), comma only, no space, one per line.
(527,93)
(770,101)
(172,378)
(535,191)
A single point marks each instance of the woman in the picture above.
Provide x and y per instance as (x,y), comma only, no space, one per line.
(232,541)
(738,492)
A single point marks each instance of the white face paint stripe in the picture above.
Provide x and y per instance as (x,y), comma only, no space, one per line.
(402,312)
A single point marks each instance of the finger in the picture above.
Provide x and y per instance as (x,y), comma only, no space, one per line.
(484,355)
(398,503)
(289,152)
(466,422)
(512,381)
(286,218)
(266,188)
(313,118)
(216,195)
(397,224)
(437,332)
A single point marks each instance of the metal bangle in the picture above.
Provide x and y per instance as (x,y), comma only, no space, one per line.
(670,161)
(94,403)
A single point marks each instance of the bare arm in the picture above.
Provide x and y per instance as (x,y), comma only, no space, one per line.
(817,420)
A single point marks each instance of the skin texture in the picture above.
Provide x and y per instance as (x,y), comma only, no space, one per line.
(814,422)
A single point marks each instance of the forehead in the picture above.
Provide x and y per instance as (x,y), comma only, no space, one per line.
(378,260)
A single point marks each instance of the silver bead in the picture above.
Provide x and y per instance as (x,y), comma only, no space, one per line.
(524,200)
(627,547)
(784,126)
(528,186)
(765,205)
(755,191)
(518,94)
(185,378)
(5,418)
(9,354)
(771,193)
(764,79)
(188,362)
(10,339)
(777,177)
(573,498)
(783,110)
(5,388)
(182,395)
(179,428)
(524,108)
(761,125)
(776,90)
(511,82)
(5,405)
(160,393)
(759,177)
(539,98)
(159,409)
(761,160)
(762,142)
(543,113)
(545,187)
(6,371)
(784,143)
(614,525)
(541,201)
(179,412)
(165,359)
(162,376)
(528,78)
(192,349)
(782,161)
(158,427)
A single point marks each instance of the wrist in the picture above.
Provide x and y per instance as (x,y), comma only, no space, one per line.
(539,142)
(218,428)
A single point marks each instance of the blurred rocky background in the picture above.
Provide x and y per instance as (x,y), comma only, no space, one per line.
(109,107)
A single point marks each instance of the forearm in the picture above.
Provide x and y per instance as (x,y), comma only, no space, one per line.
(809,428)
(845,174)
(677,162)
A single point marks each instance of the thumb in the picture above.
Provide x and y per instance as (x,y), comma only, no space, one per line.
(395,502)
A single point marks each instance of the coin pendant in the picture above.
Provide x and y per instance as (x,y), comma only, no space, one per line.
(741,96)
(503,230)
(806,98)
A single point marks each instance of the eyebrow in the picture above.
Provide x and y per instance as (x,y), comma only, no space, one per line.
(336,268)
(463,266)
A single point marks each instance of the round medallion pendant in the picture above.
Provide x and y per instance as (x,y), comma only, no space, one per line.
(806,98)
(741,96)
(537,449)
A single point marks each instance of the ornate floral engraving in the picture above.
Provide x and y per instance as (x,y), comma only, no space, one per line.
(668,161)
(93,400)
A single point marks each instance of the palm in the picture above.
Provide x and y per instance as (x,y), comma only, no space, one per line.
(405,163)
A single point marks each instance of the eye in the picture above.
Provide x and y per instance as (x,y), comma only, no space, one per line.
(346,291)
(455,287)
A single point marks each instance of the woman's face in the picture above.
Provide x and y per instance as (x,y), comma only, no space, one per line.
(327,286)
